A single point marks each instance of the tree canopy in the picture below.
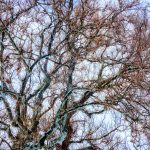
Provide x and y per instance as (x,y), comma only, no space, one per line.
(74,75)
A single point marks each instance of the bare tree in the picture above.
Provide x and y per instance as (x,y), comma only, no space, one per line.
(75,74)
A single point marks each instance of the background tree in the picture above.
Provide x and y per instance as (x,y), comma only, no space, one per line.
(75,74)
